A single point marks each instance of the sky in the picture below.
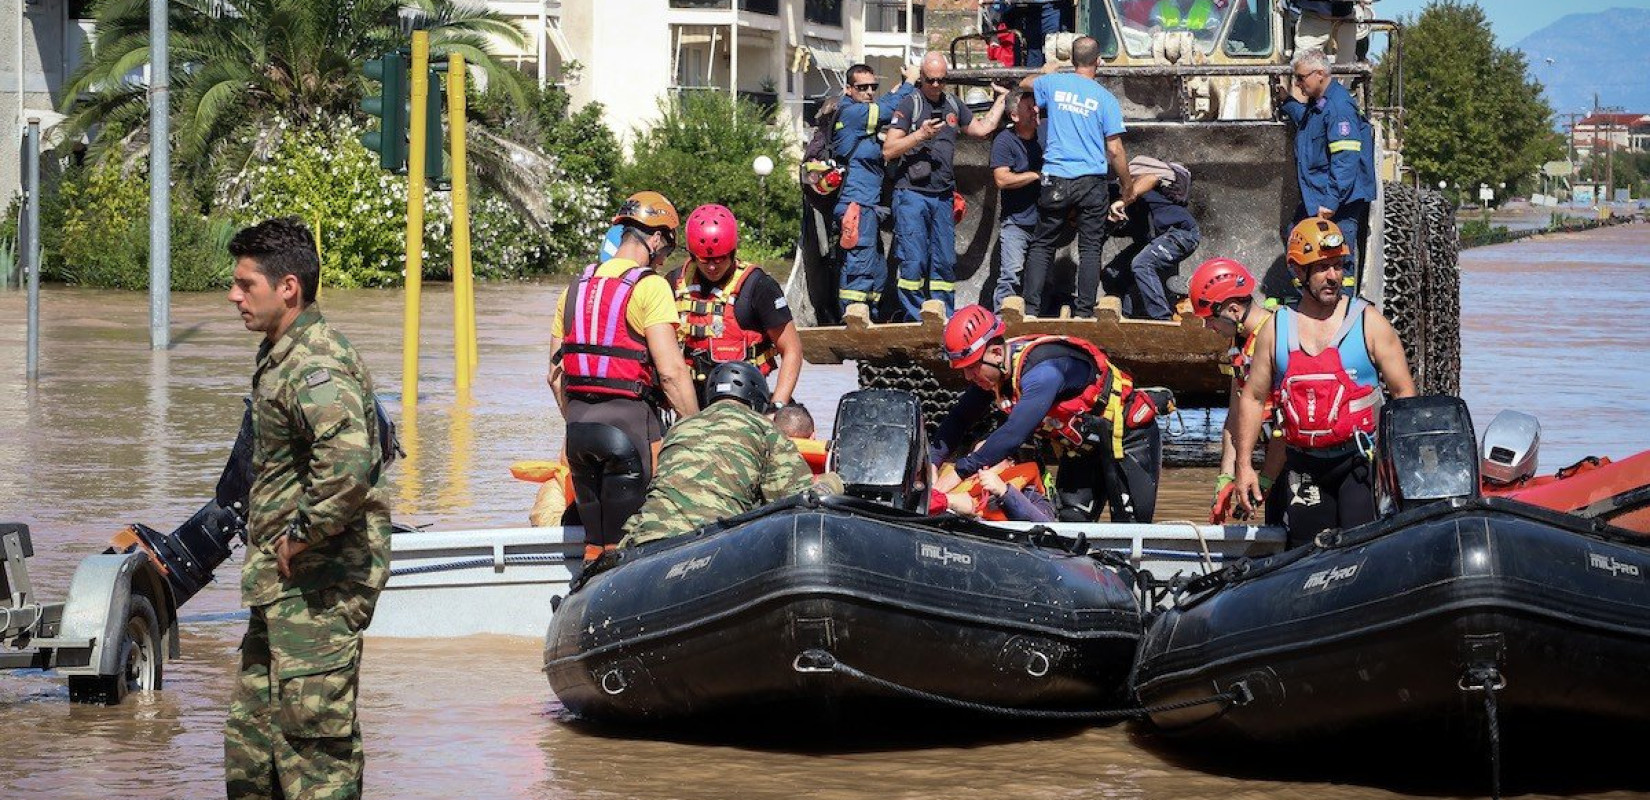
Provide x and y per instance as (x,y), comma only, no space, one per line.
(1513,20)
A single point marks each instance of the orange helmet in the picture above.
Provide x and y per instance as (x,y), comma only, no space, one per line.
(968,332)
(649,210)
(1217,281)
(1316,239)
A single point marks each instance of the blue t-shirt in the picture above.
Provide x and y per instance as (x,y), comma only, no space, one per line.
(1019,206)
(1081,115)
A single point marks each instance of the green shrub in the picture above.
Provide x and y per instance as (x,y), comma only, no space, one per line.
(103,239)
(327,178)
(701,150)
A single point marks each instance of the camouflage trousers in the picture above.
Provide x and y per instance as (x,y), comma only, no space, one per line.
(292,731)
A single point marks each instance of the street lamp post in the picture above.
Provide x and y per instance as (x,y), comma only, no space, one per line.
(762,166)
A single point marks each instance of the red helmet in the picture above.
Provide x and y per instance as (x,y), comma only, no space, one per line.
(712,232)
(968,332)
(1217,281)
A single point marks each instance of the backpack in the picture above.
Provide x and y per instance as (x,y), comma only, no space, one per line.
(818,147)
(1174,179)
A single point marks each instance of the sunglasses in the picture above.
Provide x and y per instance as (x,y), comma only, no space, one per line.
(931,81)
(1299,77)
(866,87)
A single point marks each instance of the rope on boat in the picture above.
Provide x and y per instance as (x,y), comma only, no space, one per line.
(823,661)
(479,561)
(1488,679)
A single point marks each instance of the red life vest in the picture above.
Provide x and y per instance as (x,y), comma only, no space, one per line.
(1104,398)
(600,354)
(709,326)
(1323,407)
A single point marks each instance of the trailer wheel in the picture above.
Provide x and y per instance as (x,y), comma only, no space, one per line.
(141,660)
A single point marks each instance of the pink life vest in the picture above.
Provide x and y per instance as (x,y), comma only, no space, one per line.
(1323,407)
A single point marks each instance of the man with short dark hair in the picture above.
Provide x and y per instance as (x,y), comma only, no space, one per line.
(1016,161)
(922,141)
(1085,142)
(318,530)
(854,145)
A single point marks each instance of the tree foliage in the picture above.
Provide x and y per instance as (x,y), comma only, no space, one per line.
(701,150)
(238,67)
(1472,113)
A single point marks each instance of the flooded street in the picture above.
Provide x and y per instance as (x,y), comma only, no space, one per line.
(115,434)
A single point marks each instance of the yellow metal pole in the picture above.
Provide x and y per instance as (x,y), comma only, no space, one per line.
(415,217)
(320,256)
(464,345)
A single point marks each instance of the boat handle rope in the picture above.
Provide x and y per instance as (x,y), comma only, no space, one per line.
(815,661)
(1489,680)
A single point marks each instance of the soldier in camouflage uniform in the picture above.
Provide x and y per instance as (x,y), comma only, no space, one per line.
(317,550)
(725,460)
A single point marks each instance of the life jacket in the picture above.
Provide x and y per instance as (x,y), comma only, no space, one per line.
(1018,476)
(1241,354)
(1193,19)
(601,355)
(710,329)
(814,452)
(1068,422)
(1323,406)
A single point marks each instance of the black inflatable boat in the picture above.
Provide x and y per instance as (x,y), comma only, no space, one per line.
(737,617)
(1413,618)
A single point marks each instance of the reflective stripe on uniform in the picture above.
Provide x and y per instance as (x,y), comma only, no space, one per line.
(940,286)
(914,286)
(851,294)
(1346,145)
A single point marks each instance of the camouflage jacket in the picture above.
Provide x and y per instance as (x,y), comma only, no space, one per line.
(723,461)
(314,462)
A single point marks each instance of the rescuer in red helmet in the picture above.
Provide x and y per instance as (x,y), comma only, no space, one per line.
(730,310)
(1222,293)
(1066,390)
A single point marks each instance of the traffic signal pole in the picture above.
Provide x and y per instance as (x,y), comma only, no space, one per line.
(464,294)
(420,74)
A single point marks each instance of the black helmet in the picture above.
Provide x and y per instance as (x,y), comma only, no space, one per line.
(740,381)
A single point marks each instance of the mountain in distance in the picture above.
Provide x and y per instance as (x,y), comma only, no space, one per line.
(1583,54)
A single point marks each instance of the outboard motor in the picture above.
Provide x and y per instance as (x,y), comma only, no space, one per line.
(1425,453)
(880,450)
(1511,446)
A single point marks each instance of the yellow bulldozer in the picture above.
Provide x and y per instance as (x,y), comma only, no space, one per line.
(1203,98)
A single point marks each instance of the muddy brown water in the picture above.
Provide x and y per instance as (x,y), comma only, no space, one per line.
(114,433)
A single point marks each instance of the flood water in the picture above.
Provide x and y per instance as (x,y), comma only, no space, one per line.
(114,433)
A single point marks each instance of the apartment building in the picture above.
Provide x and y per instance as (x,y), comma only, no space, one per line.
(785,53)
(40,43)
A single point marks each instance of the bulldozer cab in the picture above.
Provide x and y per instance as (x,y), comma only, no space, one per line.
(1195,79)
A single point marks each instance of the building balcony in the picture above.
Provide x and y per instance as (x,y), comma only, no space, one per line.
(823,12)
(769,7)
(888,16)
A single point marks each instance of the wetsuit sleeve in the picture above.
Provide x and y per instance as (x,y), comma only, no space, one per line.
(766,307)
(1346,154)
(1026,507)
(971,406)
(335,414)
(1040,385)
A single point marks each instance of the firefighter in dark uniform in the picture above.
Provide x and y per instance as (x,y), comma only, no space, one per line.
(1334,155)
(1067,390)
(730,310)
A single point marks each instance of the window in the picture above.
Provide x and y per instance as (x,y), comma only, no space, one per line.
(1250,33)
(824,12)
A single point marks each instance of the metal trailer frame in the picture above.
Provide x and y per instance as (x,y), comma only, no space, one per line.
(85,637)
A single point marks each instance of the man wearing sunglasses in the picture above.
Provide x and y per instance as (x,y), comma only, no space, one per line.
(1334,154)
(854,145)
(922,143)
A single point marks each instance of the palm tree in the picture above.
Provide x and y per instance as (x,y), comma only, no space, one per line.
(241,68)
